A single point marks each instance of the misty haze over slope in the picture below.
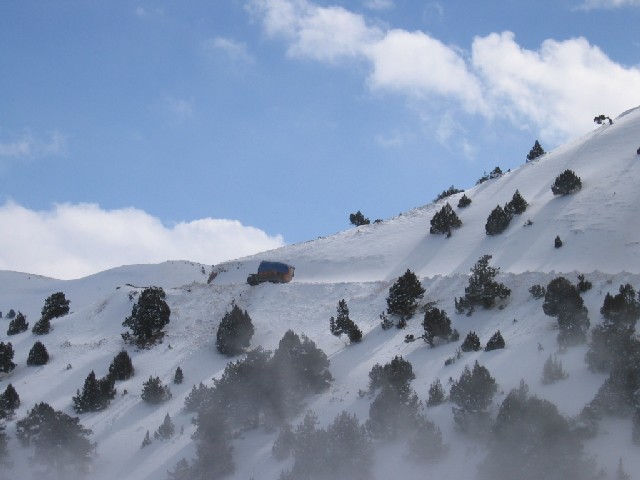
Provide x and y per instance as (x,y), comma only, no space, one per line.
(599,228)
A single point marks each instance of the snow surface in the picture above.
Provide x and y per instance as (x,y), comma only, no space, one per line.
(599,228)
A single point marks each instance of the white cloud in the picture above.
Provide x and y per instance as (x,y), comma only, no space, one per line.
(379,4)
(608,4)
(28,146)
(75,240)
(417,64)
(556,90)
(234,49)
(179,110)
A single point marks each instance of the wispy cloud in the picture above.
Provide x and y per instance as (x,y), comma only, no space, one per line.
(555,89)
(235,50)
(29,146)
(607,4)
(179,110)
(74,240)
(146,12)
(379,4)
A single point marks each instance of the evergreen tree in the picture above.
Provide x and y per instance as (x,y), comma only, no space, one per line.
(471,343)
(197,397)
(96,394)
(38,355)
(447,193)
(55,305)
(436,324)
(4,442)
(583,284)
(121,367)
(620,472)
(11,314)
(553,371)
(537,291)
(517,205)
(613,340)
(61,442)
(496,342)
(9,401)
(343,324)
(566,183)
(464,201)
(146,441)
(404,295)
(563,301)
(18,324)
(425,444)
(42,326)
(358,219)
(557,242)
(148,317)
(498,221)
(535,152)
(396,374)
(299,368)
(178,377)
(6,357)
(182,471)
(166,430)
(234,332)
(393,412)
(444,221)
(482,289)
(245,391)
(437,395)
(472,395)
(283,446)
(214,446)
(154,392)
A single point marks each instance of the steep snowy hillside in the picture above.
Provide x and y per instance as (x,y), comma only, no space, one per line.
(598,226)
(601,239)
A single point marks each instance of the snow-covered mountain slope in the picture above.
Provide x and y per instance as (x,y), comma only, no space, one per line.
(601,239)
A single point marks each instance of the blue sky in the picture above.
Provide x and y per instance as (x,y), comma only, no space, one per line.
(134,132)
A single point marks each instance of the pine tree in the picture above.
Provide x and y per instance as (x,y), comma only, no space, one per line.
(55,305)
(497,221)
(148,317)
(154,392)
(535,152)
(9,401)
(395,374)
(611,341)
(557,242)
(42,326)
(404,295)
(11,314)
(553,371)
(563,301)
(437,395)
(166,430)
(436,324)
(496,342)
(61,442)
(444,221)
(425,444)
(447,193)
(38,355)
(18,324)
(482,289)
(234,332)
(464,201)
(358,219)
(178,377)
(283,446)
(214,446)
(182,471)
(532,440)
(566,183)
(472,395)
(471,343)
(343,324)
(96,394)
(6,357)
(517,205)
(146,441)
(121,367)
